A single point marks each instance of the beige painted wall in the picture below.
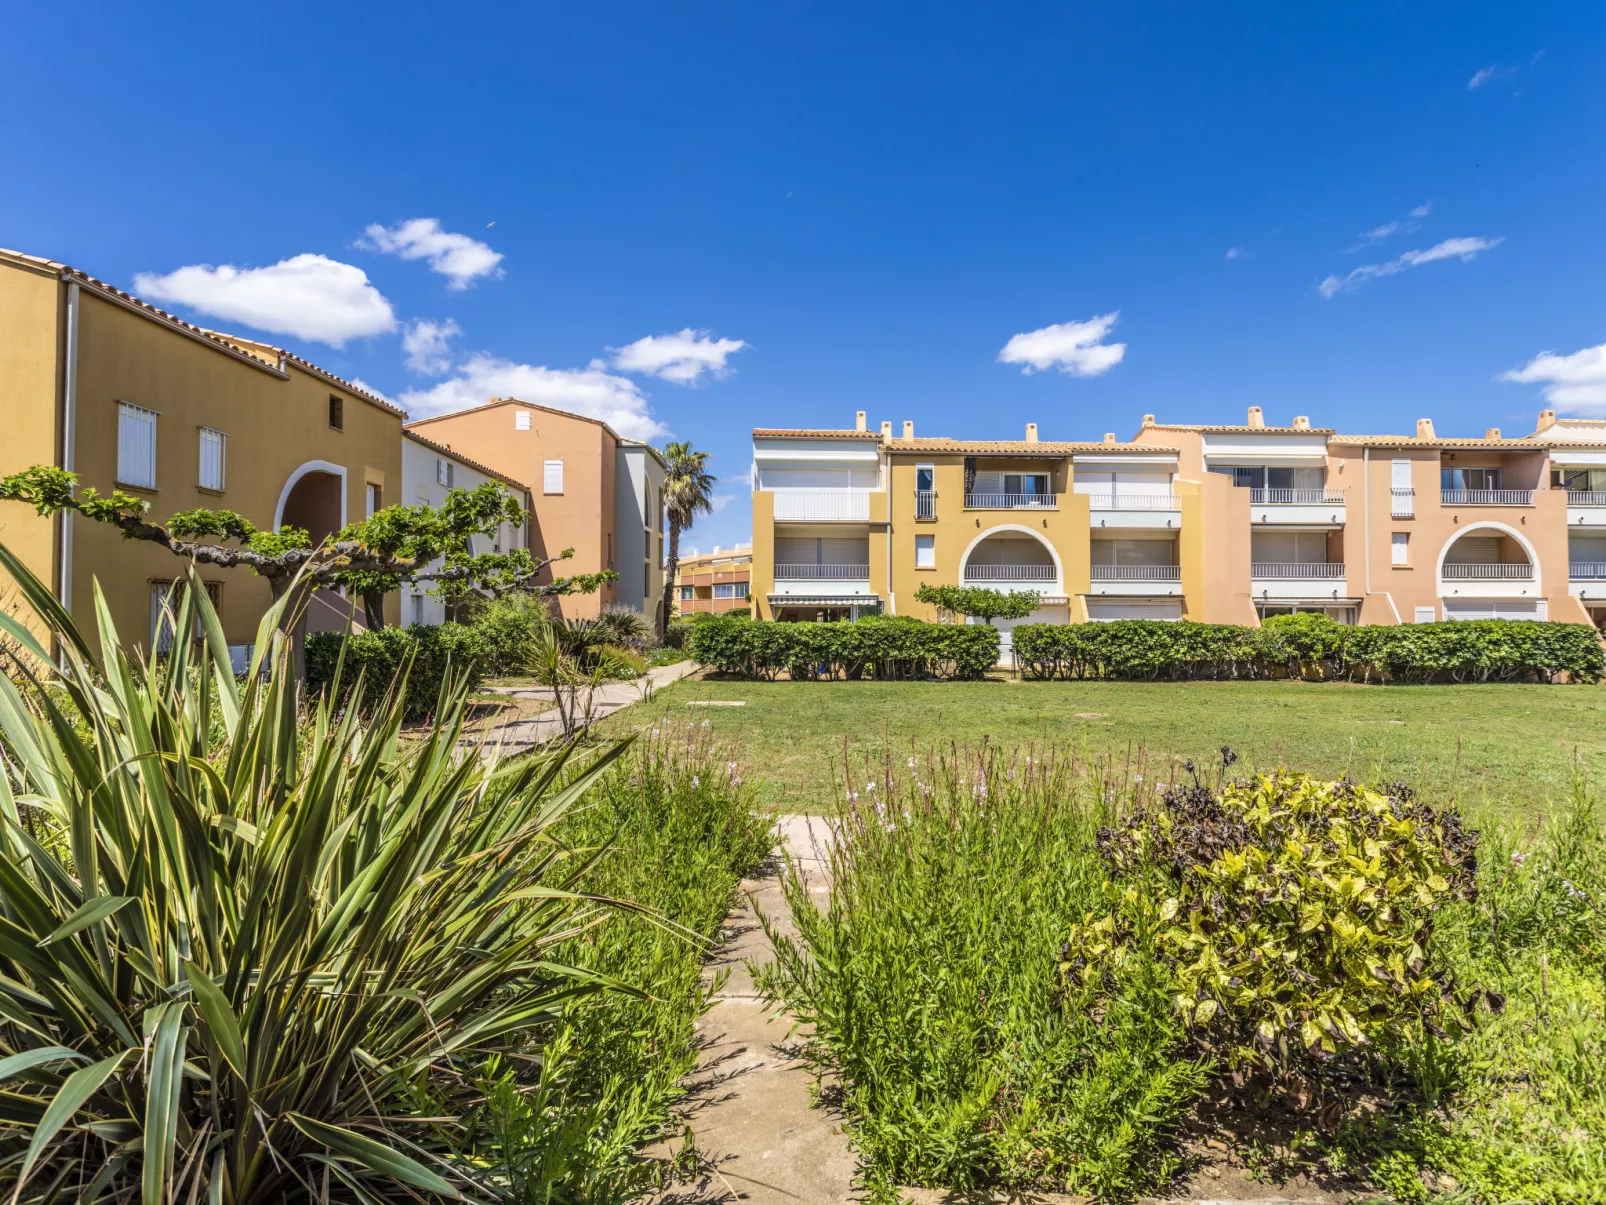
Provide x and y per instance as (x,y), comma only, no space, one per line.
(582,516)
(30,334)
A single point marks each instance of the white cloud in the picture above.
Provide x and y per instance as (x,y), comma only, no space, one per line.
(1422,210)
(1075,348)
(718,502)
(1451,248)
(681,357)
(426,345)
(455,256)
(1237,252)
(309,296)
(1488,75)
(1575,383)
(591,391)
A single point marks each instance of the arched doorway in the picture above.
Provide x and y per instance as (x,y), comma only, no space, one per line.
(1010,558)
(1490,571)
(314,499)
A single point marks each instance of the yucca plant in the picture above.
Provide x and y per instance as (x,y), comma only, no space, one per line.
(248,955)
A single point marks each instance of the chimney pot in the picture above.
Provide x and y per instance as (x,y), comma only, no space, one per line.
(1547,418)
(908,428)
(886,429)
(1109,437)
(1256,418)
(1031,433)
(1148,420)
(1301,422)
(859,423)
(1424,428)
(1492,433)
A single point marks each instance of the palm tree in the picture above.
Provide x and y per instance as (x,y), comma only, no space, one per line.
(688,489)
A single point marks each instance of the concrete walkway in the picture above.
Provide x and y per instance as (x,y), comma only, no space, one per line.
(520,735)
(750,1097)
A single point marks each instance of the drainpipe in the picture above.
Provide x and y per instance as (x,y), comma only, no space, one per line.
(1366,535)
(69,437)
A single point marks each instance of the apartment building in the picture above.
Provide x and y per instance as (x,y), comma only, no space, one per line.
(1219,523)
(591,490)
(714,581)
(428,470)
(128,396)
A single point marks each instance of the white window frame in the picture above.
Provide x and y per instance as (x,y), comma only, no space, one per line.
(552,476)
(443,472)
(521,420)
(222,443)
(373,495)
(1400,474)
(1400,548)
(925,551)
(130,418)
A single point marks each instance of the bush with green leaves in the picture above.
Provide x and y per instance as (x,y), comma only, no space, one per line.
(877,646)
(979,602)
(1483,650)
(507,628)
(426,653)
(254,968)
(1294,915)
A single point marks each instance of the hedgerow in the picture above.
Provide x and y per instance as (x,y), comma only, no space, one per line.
(877,647)
(1481,650)
(378,654)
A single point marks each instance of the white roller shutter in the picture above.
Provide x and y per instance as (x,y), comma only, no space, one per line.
(1102,612)
(1495,608)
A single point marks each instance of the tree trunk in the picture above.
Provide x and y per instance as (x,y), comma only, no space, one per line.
(670,566)
(373,609)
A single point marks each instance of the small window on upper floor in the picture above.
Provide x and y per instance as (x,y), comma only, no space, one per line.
(552,477)
(1400,548)
(214,453)
(376,494)
(443,472)
(136,446)
(337,412)
(925,552)
(521,420)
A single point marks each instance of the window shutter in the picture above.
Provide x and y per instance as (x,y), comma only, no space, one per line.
(1400,478)
(521,420)
(552,477)
(1400,548)
(213,447)
(440,471)
(136,445)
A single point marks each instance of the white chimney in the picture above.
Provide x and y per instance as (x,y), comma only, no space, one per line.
(886,429)
(1492,433)
(1031,433)
(1547,418)
(859,420)
(1256,418)
(1148,420)
(1424,428)
(1109,437)
(908,429)
(1301,422)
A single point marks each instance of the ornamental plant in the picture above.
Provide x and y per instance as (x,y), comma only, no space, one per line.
(978,602)
(1294,915)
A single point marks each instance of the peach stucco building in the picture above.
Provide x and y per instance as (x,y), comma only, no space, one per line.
(1219,523)
(130,397)
(713,581)
(591,490)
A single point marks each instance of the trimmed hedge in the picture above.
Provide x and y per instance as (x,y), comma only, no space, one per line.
(1477,650)
(378,655)
(877,647)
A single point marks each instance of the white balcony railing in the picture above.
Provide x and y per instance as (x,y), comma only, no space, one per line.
(1137,573)
(1012,501)
(1322,497)
(1586,498)
(1010,573)
(1132,501)
(1487,497)
(1300,570)
(1403,500)
(925,504)
(821,573)
(1454,572)
(823,504)
(1586,571)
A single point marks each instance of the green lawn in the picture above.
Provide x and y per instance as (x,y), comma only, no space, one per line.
(1506,748)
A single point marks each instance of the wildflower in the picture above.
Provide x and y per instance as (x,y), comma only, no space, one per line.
(1137,778)
(913,762)
(870,786)
(1518,857)
(655,733)
(694,780)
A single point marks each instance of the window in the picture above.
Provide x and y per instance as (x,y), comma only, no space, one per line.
(1400,475)
(136,446)
(610,550)
(214,448)
(521,420)
(165,604)
(1425,615)
(687,593)
(375,499)
(725,590)
(1469,479)
(552,477)
(925,552)
(337,413)
(443,471)
(1271,477)
(925,477)
(1583,481)
(418,609)
(1400,548)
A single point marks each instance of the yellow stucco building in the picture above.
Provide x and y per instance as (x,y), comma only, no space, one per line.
(128,396)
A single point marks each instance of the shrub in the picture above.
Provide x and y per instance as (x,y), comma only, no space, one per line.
(1483,650)
(878,646)
(1294,916)
(978,601)
(379,656)
(506,628)
(676,632)
(625,628)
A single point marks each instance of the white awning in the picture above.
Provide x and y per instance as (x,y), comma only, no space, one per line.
(824,600)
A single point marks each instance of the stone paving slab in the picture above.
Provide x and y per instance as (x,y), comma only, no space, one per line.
(522,735)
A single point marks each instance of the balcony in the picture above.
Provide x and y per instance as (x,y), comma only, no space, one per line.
(1402,502)
(1587,571)
(925,504)
(1009,502)
(1137,573)
(1321,497)
(1308,571)
(1487,497)
(1453,572)
(822,573)
(1132,501)
(1010,573)
(830,506)
(1586,498)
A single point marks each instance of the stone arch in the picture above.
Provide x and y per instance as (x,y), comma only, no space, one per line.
(988,533)
(1490,525)
(313,497)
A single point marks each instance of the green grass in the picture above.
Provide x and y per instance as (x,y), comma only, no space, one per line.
(1504,749)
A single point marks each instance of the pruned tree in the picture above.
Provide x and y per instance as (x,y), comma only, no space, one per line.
(688,492)
(397,546)
(978,602)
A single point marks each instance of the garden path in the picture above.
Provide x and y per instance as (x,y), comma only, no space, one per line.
(518,736)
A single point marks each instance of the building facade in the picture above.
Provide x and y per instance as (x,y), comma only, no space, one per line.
(572,465)
(130,397)
(1224,524)
(714,581)
(428,470)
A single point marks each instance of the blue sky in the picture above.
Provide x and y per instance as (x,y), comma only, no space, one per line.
(872,200)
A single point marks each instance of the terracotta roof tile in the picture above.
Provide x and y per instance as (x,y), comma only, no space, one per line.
(811,433)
